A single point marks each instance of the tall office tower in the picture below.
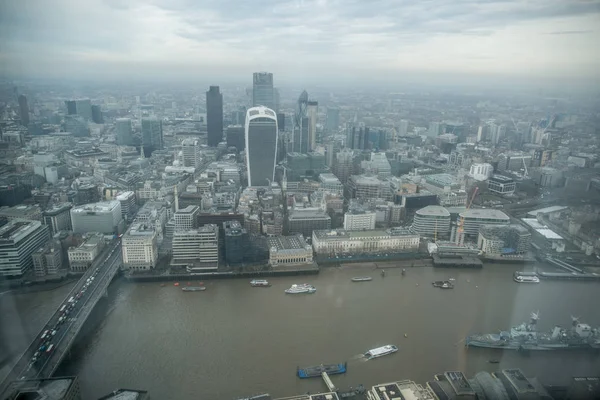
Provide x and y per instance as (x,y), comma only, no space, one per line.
(235,137)
(23,110)
(343,165)
(124,131)
(333,119)
(214,116)
(97,115)
(81,107)
(300,138)
(403,127)
(311,112)
(493,133)
(480,134)
(434,129)
(358,138)
(262,90)
(77,125)
(191,153)
(152,134)
(261,145)
(71,107)
(281,121)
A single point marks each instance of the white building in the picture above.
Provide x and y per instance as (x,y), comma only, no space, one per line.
(501,184)
(356,220)
(190,149)
(432,221)
(331,183)
(18,240)
(102,217)
(197,248)
(329,243)
(286,250)
(82,256)
(482,171)
(185,218)
(140,247)
(474,219)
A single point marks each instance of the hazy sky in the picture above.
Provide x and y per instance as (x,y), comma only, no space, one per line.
(350,39)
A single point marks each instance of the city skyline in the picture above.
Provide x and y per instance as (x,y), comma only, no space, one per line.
(540,40)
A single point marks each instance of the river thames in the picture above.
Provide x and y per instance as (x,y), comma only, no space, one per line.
(234,340)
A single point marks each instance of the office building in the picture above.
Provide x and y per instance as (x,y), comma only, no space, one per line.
(432,221)
(503,239)
(368,187)
(236,242)
(357,219)
(403,128)
(343,165)
(300,132)
(312,111)
(481,171)
(48,260)
(190,150)
(18,240)
(513,161)
(30,212)
(474,219)
(102,217)
(124,131)
(80,107)
(289,250)
(214,116)
(306,220)
(58,218)
(263,93)
(434,129)
(501,184)
(377,165)
(97,116)
(198,249)
(186,218)
(77,125)
(357,138)
(235,137)
(83,256)
(332,242)
(332,120)
(71,107)
(23,110)
(331,183)
(140,247)
(261,145)
(128,205)
(152,135)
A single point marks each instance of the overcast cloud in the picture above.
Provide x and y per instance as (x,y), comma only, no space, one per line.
(327,38)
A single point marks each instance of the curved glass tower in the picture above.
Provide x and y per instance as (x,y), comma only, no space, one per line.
(261,145)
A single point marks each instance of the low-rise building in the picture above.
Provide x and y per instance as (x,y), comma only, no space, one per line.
(102,217)
(357,219)
(501,184)
(286,250)
(331,242)
(432,221)
(58,218)
(140,247)
(474,219)
(19,239)
(82,256)
(48,260)
(305,221)
(503,239)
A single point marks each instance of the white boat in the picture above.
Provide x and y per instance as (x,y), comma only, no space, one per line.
(362,279)
(527,279)
(259,283)
(301,288)
(381,351)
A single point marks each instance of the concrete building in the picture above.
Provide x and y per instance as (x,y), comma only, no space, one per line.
(140,247)
(368,187)
(261,145)
(214,116)
(289,250)
(474,219)
(104,217)
(332,242)
(331,183)
(357,219)
(19,239)
(236,242)
(503,239)
(513,161)
(186,218)
(63,388)
(501,184)
(128,205)
(481,172)
(332,122)
(29,212)
(197,249)
(343,165)
(377,165)
(236,137)
(190,150)
(83,256)
(48,260)
(432,221)
(305,221)
(124,131)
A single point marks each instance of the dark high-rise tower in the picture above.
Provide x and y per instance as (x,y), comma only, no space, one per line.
(263,93)
(152,135)
(23,110)
(214,116)
(300,141)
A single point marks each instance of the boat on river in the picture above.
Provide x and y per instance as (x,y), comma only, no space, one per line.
(301,289)
(259,283)
(193,289)
(443,284)
(362,279)
(317,370)
(526,279)
(381,351)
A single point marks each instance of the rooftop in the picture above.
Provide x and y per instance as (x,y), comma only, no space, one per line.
(287,242)
(20,211)
(102,206)
(533,213)
(39,389)
(344,234)
(501,178)
(126,394)
(487,213)
(140,229)
(437,211)
(329,178)
(16,229)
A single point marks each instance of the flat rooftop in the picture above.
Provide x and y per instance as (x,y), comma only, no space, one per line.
(15,229)
(344,234)
(501,178)
(437,211)
(287,242)
(487,213)
(102,207)
(544,210)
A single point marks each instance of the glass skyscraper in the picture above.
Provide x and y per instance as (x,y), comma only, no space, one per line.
(263,93)
(152,135)
(214,116)
(261,145)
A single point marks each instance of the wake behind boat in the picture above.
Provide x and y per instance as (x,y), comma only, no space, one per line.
(301,289)
(381,351)
(362,279)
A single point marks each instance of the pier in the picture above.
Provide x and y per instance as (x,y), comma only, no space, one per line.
(328,382)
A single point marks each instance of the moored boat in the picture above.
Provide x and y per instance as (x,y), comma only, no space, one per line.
(193,288)
(443,284)
(317,370)
(301,289)
(526,279)
(362,279)
(259,283)
(381,351)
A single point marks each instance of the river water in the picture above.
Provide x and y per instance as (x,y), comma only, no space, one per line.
(234,340)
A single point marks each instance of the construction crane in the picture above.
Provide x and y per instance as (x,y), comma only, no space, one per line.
(461,221)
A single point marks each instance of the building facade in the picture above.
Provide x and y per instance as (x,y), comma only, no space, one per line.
(263,93)
(214,116)
(332,242)
(139,247)
(501,184)
(357,220)
(152,135)
(473,219)
(305,221)
(83,256)
(432,221)
(261,145)
(504,239)
(104,217)
(19,239)
(289,250)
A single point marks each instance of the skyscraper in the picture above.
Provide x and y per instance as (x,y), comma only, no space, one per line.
(214,116)
(152,134)
(71,107)
(311,112)
(333,119)
(97,114)
(261,145)
(236,137)
(190,149)
(23,110)
(81,107)
(262,90)
(403,127)
(300,138)
(124,131)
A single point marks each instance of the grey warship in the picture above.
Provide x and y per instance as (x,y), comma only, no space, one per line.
(526,337)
